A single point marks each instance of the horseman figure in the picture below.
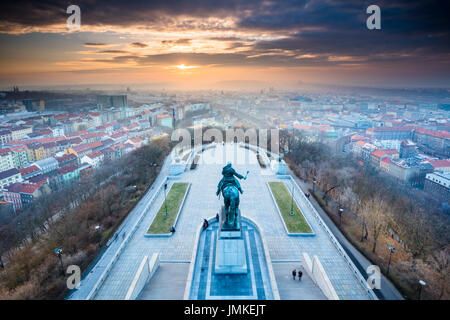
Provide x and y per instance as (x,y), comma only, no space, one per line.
(230,188)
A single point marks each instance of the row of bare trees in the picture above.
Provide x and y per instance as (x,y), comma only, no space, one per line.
(69,219)
(379,209)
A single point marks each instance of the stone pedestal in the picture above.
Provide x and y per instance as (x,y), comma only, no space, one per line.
(278,167)
(230,256)
(176,168)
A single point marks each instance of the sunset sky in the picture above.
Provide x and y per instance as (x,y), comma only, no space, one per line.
(201,44)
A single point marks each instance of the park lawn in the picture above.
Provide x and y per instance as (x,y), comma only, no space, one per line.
(295,223)
(161,223)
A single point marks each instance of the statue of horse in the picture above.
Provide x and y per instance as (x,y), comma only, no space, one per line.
(231,202)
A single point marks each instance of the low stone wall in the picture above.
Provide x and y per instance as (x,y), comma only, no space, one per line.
(145,272)
(317,273)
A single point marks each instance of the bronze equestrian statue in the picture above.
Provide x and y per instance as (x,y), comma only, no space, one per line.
(230,188)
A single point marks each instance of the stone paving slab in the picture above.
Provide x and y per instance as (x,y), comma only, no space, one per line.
(291,289)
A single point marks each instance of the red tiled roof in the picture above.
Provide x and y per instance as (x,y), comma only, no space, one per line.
(46,131)
(65,157)
(378,153)
(66,169)
(404,128)
(439,134)
(390,151)
(356,137)
(118,135)
(27,170)
(386,160)
(76,134)
(30,188)
(76,140)
(87,146)
(15,187)
(95,154)
(92,135)
(440,163)
(19,148)
(4,151)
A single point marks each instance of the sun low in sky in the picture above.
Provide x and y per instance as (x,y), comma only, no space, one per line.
(183,67)
(202,43)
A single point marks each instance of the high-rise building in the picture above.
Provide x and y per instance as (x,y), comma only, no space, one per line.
(107,101)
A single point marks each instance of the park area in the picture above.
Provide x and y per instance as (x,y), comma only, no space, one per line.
(162,223)
(295,223)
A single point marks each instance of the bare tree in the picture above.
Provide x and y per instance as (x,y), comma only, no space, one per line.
(440,262)
(376,211)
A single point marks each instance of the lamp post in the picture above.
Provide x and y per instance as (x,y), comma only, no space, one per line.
(422,284)
(314,185)
(292,200)
(340,216)
(392,250)
(58,252)
(165,202)
(362,229)
(97,229)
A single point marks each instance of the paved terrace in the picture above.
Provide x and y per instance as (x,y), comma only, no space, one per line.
(201,202)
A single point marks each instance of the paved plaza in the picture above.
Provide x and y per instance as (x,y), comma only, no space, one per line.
(201,202)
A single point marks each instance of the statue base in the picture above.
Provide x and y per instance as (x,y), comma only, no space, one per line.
(226,234)
(229,228)
(230,256)
(230,247)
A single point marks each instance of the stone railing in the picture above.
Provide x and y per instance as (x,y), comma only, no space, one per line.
(317,273)
(145,272)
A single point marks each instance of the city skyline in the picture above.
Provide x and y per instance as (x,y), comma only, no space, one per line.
(206,45)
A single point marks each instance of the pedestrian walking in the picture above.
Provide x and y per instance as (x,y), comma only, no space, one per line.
(300,273)
(294,273)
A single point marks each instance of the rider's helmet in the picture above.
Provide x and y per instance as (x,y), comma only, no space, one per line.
(229,164)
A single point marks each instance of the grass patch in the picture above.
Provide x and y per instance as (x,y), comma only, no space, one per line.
(161,223)
(105,234)
(295,223)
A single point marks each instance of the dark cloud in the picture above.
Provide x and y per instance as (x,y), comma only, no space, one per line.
(411,29)
(117,12)
(112,51)
(117,59)
(179,41)
(92,44)
(138,45)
